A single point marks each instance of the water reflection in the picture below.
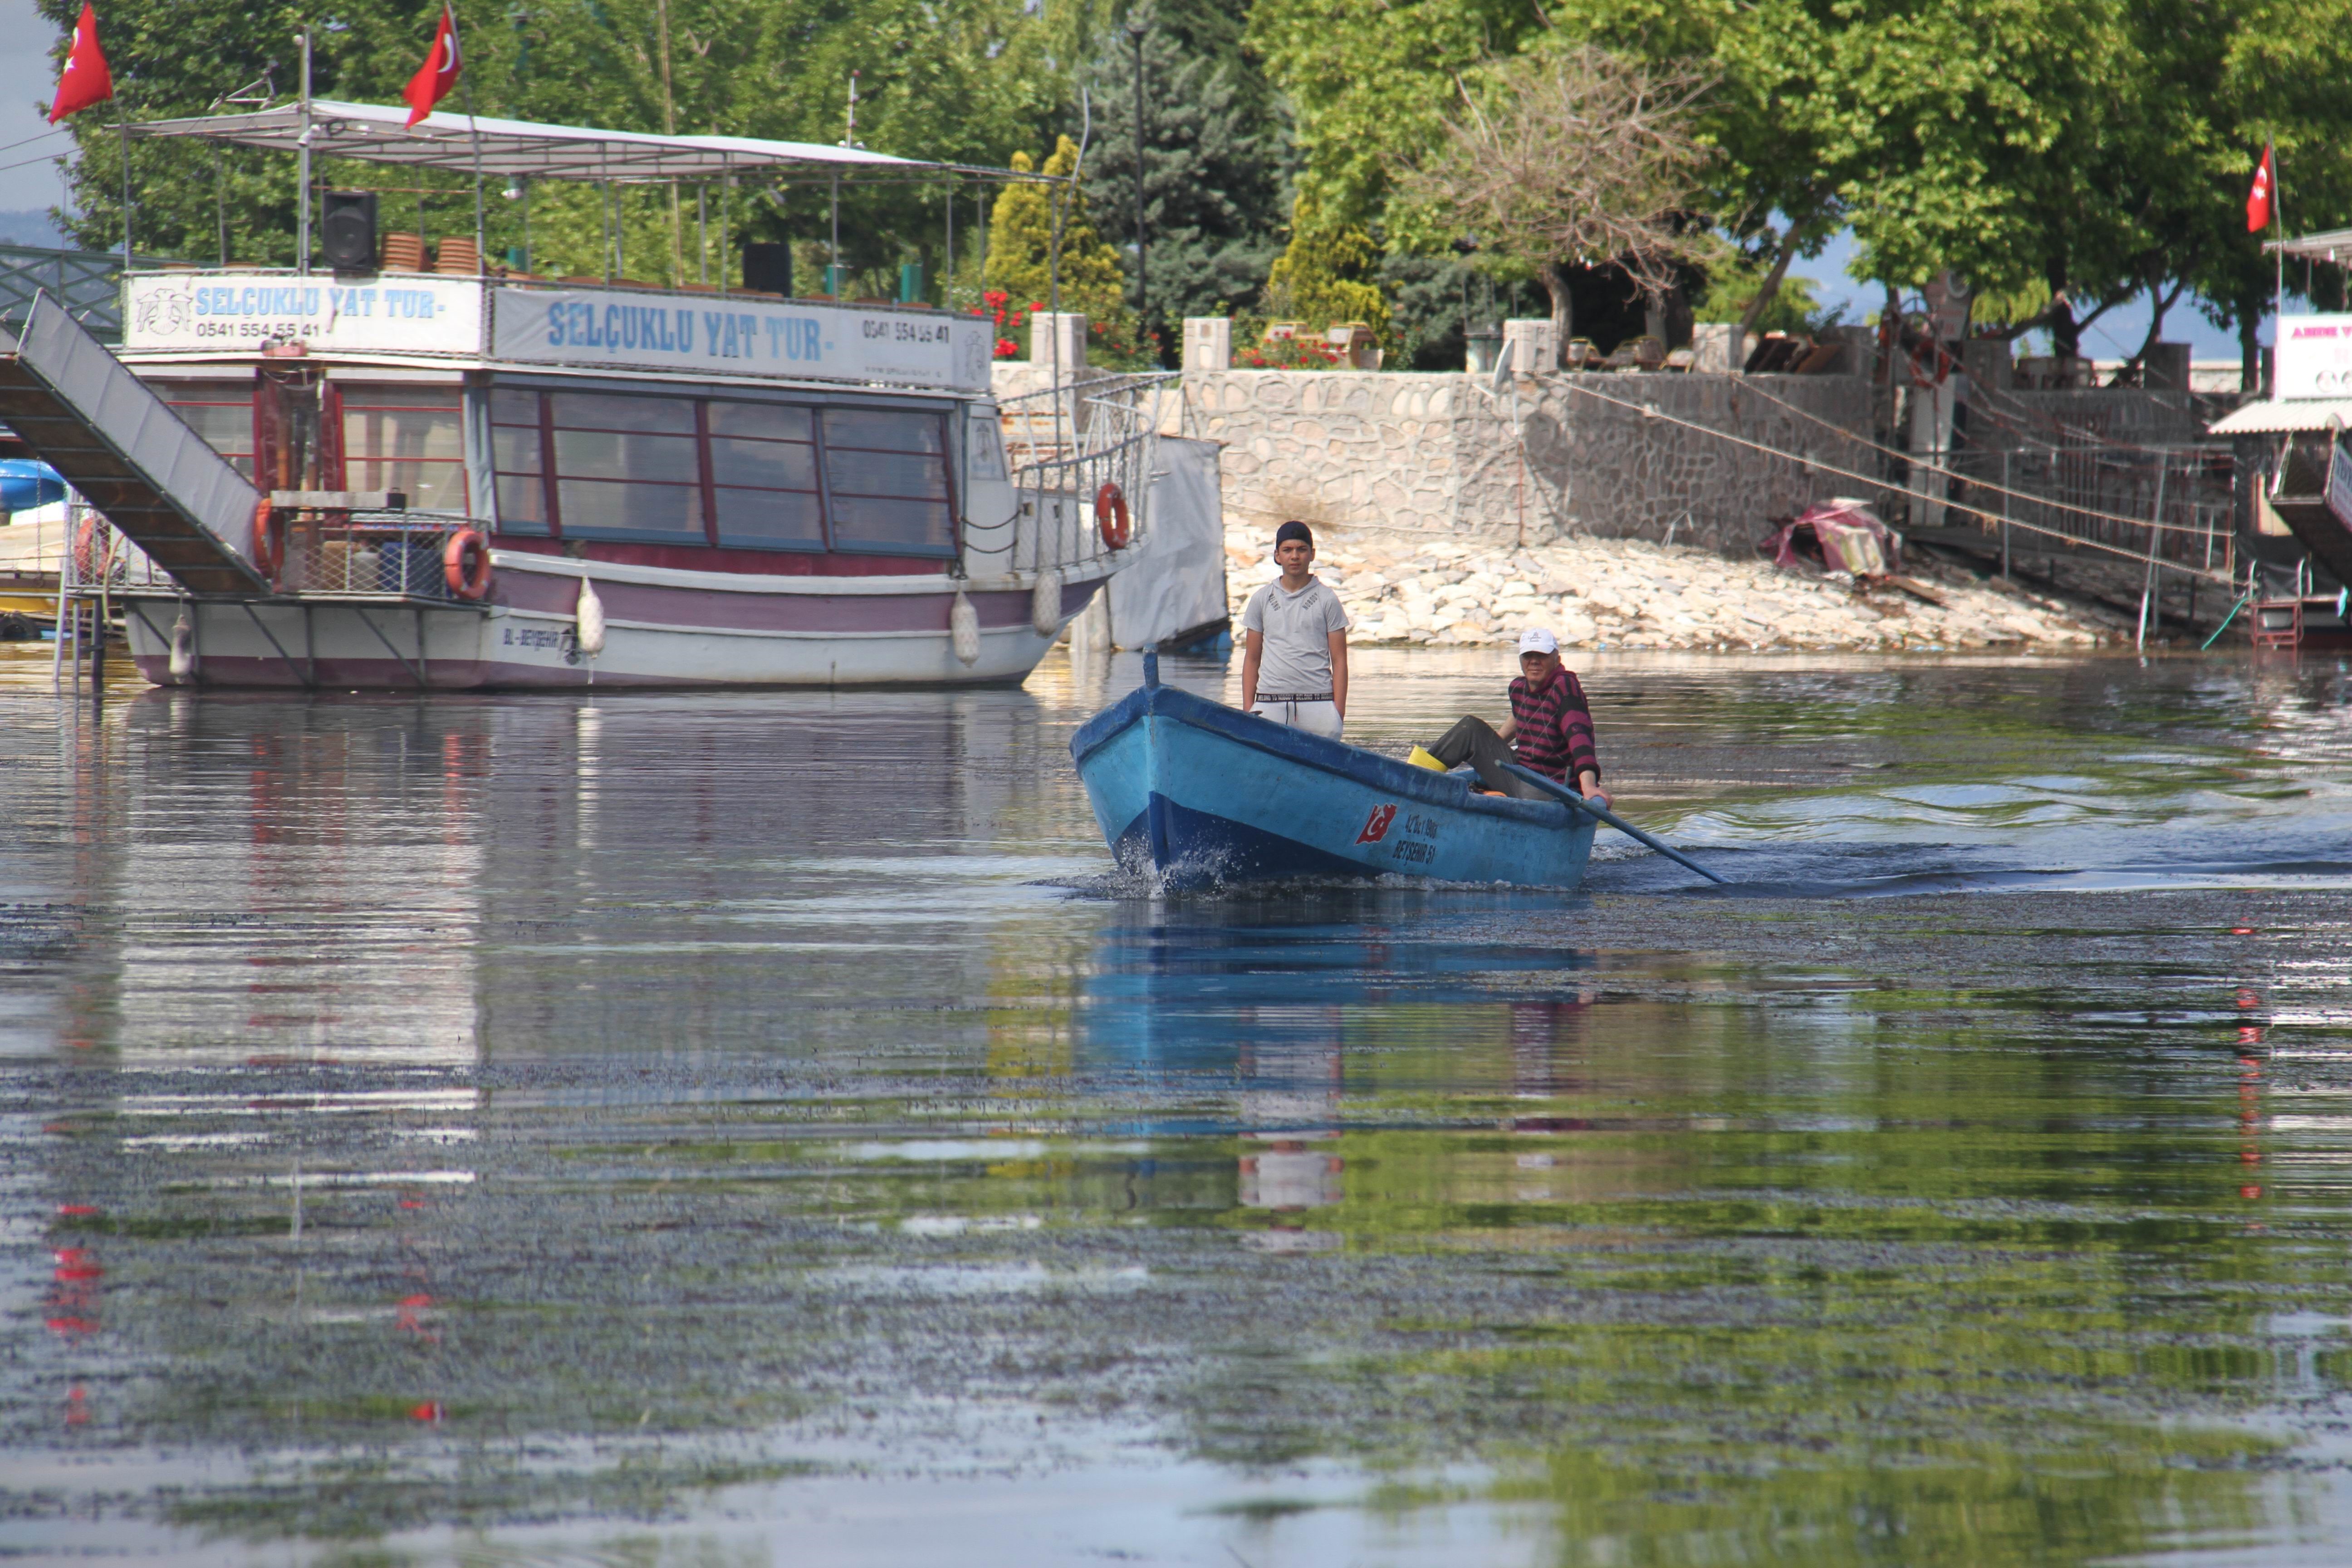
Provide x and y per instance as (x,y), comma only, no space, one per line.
(527,1115)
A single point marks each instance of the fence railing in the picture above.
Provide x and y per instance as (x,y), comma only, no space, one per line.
(1070,449)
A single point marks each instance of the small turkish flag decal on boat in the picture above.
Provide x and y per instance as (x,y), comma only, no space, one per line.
(1376,827)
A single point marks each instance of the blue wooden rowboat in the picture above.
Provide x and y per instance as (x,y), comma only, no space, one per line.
(1205,795)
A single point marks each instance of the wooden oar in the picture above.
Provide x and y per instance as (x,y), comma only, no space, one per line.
(1554,787)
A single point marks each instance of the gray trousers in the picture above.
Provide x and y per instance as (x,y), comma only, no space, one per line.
(1473,740)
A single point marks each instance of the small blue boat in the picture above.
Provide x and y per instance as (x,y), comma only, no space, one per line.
(1204,796)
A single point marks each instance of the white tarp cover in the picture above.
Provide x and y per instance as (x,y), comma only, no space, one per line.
(623,330)
(1178,581)
(505,149)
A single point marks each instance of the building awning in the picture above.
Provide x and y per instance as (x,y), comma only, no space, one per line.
(2294,414)
(510,148)
(2335,245)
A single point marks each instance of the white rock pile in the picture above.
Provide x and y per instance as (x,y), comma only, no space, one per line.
(1629,594)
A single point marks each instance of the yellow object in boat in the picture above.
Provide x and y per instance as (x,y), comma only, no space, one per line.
(1422,759)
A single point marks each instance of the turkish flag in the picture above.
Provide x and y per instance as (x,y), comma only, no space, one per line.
(433,80)
(86,80)
(2258,200)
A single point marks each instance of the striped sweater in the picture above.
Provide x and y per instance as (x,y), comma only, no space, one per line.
(1555,736)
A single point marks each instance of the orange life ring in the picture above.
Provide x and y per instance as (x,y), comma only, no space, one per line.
(466,564)
(1110,516)
(268,540)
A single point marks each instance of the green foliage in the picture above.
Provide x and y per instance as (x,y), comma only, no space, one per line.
(1733,284)
(1328,273)
(960,81)
(1369,77)
(1217,153)
(1021,250)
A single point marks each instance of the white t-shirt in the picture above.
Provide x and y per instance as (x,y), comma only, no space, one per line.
(1295,658)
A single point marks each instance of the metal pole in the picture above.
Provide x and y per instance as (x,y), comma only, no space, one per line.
(702,228)
(473,135)
(947,282)
(2007,500)
(1136,28)
(832,272)
(125,127)
(302,217)
(2147,579)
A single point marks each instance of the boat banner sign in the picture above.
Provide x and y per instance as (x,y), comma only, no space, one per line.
(629,330)
(2315,357)
(390,313)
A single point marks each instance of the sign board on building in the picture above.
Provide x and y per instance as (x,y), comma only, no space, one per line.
(631,331)
(2315,357)
(393,312)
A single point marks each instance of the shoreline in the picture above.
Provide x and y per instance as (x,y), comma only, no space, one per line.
(1627,594)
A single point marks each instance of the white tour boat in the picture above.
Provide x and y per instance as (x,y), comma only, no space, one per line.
(454,479)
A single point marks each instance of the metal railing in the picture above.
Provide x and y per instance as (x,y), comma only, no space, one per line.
(398,555)
(1064,445)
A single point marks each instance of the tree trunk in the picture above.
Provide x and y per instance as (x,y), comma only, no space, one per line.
(1765,295)
(2249,347)
(1563,311)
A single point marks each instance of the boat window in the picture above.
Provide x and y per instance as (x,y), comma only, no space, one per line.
(626,466)
(219,411)
(888,477)
(763,476)
(409,438)
(515,459)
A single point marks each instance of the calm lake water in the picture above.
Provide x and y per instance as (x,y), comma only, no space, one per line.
(751,1129)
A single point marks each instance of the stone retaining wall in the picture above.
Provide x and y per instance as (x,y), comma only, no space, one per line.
(1436,453)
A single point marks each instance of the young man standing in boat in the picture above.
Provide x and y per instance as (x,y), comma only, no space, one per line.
(1549,731)
(1294,643)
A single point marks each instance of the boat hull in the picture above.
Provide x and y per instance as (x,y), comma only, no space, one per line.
(1198,796)
(662,628)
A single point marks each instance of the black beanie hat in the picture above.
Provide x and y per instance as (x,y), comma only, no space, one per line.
(1290,530)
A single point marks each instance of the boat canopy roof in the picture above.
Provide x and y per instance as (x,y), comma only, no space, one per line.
(380,133)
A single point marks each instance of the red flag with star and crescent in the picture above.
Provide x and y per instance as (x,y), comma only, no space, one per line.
(2259,199)
(86,79)
(433,80)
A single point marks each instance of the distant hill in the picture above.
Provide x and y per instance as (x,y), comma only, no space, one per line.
(30,226)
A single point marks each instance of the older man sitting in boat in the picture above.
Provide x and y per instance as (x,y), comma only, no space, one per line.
(1294,643)
(1549,731)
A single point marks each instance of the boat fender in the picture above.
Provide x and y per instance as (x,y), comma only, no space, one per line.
(1045,603)
(268,540)
(466,564)
(590,619)
(1111,517)
(184,648)
(963,630)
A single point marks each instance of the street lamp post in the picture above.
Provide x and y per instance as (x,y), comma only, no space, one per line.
(1136,28)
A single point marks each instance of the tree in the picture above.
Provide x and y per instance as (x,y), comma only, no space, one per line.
(1565,157)
(1367,77)
(960,80)
(1021,249)
(1217,155)
(1326,274)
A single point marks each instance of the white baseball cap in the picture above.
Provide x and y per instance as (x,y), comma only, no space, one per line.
(1535,639)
